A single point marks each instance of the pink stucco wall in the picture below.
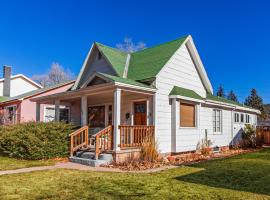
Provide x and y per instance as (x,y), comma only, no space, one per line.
(28,108)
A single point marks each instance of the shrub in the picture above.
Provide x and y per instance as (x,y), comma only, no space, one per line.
(248,137)
(34,140)
(149,152)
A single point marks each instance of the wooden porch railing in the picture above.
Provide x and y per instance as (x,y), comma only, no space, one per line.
(263,135)
(103,140)
(135,136)
(78,139)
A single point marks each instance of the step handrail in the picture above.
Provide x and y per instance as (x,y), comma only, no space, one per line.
(103,140)
(78,139)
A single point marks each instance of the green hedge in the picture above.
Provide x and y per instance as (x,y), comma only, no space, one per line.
(35,141)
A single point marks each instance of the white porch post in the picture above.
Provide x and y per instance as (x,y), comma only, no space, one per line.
(57,110)
(117,118)
(175,123)
(83,110)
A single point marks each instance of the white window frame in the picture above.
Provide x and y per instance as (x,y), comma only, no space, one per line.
(214,115)
(238,116)
(242,114)
(53,107)
(15,118)
(247,119)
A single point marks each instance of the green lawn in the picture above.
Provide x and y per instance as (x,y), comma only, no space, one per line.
(11,163)
(241,177)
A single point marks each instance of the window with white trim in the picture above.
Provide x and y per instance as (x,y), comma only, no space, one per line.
(247,118)
(242,118)
(217,121)
(11,117)
(49,114)
(236,117)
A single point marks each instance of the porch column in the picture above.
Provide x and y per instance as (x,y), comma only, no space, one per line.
(37,112)
(174,122)
(83,110)
(117,118)
(57,110)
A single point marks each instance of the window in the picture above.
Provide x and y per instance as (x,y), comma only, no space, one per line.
(236,117)
(187,115)
(64,115)
(242,117)
(11,114)
(50,114)
(247,118)
(217,121)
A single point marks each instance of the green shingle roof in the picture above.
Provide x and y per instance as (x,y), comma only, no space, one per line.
(185,92)
(147,63)
(143,64)
(192,94)
(125,80)
(224,100)
(115,57)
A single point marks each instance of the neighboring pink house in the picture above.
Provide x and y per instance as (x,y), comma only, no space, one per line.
(20,108)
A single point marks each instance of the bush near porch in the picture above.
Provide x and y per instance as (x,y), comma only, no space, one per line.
(34,141)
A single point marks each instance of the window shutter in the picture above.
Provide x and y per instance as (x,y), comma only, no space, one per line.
(187,115)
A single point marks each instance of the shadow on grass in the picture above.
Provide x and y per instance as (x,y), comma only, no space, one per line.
(249,173)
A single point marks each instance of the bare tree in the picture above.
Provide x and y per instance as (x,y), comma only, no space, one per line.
(57,74)
(129,46)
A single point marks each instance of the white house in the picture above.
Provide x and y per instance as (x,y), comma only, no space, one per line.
(163,91)
(14,85)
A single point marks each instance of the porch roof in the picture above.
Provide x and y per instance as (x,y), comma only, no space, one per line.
(95,89)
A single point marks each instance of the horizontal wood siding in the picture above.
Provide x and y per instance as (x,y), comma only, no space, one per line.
(179,71)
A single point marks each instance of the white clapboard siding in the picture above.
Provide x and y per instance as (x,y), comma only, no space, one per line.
(217,139)
(179,71)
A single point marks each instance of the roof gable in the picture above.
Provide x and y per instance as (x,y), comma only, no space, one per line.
(115,57)
(144,64)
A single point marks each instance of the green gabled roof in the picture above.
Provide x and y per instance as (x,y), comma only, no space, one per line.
(125,80)
(185,92)
(147,63)
(115,57)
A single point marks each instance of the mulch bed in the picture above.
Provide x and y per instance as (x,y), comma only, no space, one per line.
(181,159)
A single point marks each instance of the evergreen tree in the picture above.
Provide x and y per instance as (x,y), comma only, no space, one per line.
(232,96)
(255,101)
(220,91)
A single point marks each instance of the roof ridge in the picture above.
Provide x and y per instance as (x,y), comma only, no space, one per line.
(113,48)
(183,37)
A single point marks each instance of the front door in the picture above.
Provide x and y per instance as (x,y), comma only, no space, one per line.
(140,110)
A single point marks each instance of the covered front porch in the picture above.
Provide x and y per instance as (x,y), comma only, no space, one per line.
(110,118)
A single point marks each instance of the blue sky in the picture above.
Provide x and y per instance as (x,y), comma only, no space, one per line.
(232,37)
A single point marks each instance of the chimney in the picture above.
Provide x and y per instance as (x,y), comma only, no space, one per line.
(7,76)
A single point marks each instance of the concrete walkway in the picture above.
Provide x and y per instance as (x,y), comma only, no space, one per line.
(70,165)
